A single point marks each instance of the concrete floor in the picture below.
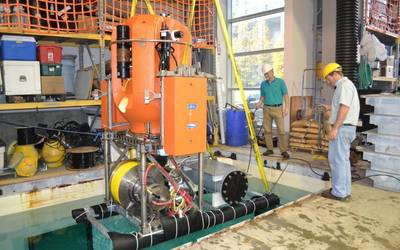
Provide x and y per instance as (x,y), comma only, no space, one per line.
(369,220)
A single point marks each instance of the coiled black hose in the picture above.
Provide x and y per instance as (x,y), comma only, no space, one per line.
(347,35)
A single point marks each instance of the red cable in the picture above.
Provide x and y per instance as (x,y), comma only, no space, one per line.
(161,203)
(181,192)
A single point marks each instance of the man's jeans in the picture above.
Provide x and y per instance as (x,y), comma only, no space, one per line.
(339,153)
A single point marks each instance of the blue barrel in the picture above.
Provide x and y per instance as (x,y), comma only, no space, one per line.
(237,131)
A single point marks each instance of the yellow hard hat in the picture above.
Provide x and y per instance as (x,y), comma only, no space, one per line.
(331,67)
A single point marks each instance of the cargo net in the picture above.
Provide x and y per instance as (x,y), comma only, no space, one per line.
(49,16)
(383,15)
(202,25)
(82,16)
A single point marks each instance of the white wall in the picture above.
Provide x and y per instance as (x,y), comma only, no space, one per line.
(298,53)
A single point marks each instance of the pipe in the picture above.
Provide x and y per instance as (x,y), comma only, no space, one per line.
(162,111)
(107,145)
(143,195)
(201,181)
(109,105)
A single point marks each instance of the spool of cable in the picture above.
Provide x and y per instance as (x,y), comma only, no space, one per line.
(124,61)
(82,157)
(26,136)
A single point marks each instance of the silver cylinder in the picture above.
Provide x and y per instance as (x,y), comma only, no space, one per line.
(107,144)
(107,167)
(162,112)
(143,202)
(201,180)
(217,177)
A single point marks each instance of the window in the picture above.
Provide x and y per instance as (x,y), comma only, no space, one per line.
(257,29)
(247,7)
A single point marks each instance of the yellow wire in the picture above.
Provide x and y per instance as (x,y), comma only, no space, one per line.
(180,206)
(185,60)
(240,85)
(133,7)
(173,197)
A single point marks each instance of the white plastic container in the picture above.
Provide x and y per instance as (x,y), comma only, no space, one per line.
(21,77)
(387,124)
(384,104)
(384,182)
(383,162)
(387,144)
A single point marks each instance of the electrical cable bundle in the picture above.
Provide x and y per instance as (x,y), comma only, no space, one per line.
(181,201)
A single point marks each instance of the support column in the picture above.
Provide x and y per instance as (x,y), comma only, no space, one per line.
(201,181)
(143,202)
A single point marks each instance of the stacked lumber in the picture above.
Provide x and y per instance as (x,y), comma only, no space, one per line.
(305,135)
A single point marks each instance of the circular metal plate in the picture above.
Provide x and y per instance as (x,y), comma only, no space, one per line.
(234,187)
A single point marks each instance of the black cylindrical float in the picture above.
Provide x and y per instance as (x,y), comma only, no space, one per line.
(174,227)
(82,157)
(26,136)
(347,13)
(124,60)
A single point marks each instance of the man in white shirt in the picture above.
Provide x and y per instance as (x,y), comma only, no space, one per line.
(345,111)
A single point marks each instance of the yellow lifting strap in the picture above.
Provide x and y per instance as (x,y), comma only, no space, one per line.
(185,60)
(149,7)
(240,85)
(210,152)
(133,7)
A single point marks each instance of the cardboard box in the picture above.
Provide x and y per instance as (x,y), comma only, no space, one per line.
(388,62)
(387,71)
(52,85)
(87,24)
(376,73)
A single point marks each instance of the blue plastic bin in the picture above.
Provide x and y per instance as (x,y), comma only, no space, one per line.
(17,48)
(237,130)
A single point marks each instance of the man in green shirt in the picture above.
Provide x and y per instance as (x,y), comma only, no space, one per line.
(274,99)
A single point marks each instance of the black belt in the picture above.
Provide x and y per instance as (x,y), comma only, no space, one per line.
(274,105)
(349,124)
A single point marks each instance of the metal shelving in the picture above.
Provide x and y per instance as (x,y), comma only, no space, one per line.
(97,40)
(77,38)
(48,105)
(384,79)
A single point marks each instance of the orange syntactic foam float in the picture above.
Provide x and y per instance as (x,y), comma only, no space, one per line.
(130,96)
